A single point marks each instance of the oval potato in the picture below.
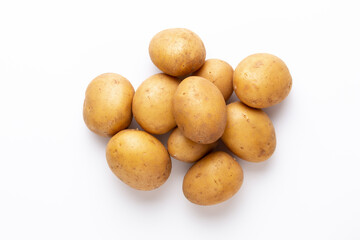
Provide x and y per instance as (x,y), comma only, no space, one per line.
(213,179)
(249,133)
(199,110)
(184,149)
(177,51)
(107,104)
(152,103)
(138,159)
(262,80)
(220,73)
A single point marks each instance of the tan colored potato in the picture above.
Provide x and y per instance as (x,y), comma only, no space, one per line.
(107,105)
(199,110)
(249,133)
(184,149)
(138,159)
(213,179)
(177,51)
(262,80)
(152,103)
(220,73)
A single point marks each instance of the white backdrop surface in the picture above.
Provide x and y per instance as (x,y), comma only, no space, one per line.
(54,179)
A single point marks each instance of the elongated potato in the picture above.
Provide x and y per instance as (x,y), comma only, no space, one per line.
(152,103)
(249,133)
(213,179)
(184,149)
(107,105)
(138,159)
(199,110)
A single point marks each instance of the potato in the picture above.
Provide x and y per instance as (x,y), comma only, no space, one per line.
(220,73)
(262,80)
(177,51)
(152,103)
(199,110)
(107,105)
(249,133)
(213,179)
(184,149)
(138,159)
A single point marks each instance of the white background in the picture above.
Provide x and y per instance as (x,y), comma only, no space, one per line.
(54,179)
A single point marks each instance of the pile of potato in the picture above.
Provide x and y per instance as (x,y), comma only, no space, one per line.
(188,97)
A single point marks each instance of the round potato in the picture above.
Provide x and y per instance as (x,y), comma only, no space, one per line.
(199,110)
(262,80)
(177,51)
(220,73)
(152,103)
(249,133)
(213,179)
(107,105)
(184,149)
(138,159)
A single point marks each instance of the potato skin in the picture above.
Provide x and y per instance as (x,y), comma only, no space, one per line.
(220,73)
(262,80)
(138,159)
(249,133)
(184,149)
(177,51)
(152,103)
(199,110)
(107,104)
(213,179)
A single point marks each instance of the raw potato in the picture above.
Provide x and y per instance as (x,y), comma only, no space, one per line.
(249,133)
(152,103)
(219,73)
(213,179)
(177,51)
(184,149)
(262,80)
(199,110)
(138,159)
(107,105)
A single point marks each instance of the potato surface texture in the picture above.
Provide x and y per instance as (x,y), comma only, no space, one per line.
(152,103)
(213,179)
(220,73)
(199,110)
(184,149)
(138,159)
(262,80)
(107,104)
(177,51)
(249,133)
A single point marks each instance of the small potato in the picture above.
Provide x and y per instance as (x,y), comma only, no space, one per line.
(262,80)
(152,103)
(138,159)
(220,73)
(107,105)
(213,179)
(249,133)
(177,51)
(199,110)
(184,149)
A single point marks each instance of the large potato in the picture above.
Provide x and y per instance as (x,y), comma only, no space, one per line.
(199,110)
(107,105)
(184,149)
(138,159)
(152,103)
(262,80)
(213,179)
(177,51)
(220,73)
(249,133)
